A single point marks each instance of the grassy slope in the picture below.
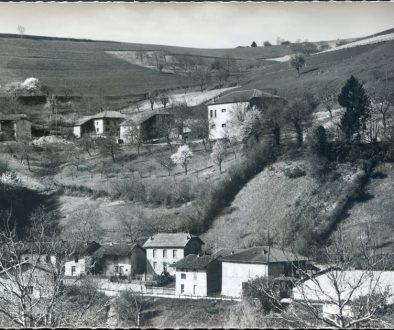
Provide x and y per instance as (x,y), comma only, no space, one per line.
(84,66)
(369,63)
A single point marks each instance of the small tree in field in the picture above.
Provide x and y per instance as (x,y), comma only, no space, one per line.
(164,99)
(153,97)
(253,44)
(219,153)
(108,145)
(166,162)
(182,157)
(357,106)
(86,143)
(297,62)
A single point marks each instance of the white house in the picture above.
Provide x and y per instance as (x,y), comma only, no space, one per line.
(164,249)
(119,259)
(240,267)
(199,275)
(322,290)
(99,124)
(223,108)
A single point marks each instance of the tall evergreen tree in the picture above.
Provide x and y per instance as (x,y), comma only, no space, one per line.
(355,100)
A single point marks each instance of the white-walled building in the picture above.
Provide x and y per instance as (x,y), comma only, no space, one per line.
(321,290)
(240,267)
(222,109)
(101,123)
(164,249)
(199,275)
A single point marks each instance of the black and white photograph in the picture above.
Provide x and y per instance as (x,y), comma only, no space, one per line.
(197,165)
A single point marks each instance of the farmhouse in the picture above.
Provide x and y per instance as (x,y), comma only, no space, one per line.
(145,127)
(240,267)
(199,275)
(119,260)
(102,123)
(36,279)
(80,260)
(321,290)
(163,249)
(14,127)
(221,109)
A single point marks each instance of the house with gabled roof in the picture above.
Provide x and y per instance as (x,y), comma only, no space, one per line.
(115,259)
(260,261)
(145,126)
(101,123)
(14,127)
(223,108)
(199,275)
(164,249)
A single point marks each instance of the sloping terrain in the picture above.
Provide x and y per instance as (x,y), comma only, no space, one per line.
(286,207)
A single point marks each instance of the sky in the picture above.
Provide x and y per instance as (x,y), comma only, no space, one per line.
(202,25)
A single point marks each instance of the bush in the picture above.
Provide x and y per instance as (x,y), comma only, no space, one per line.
(294,172)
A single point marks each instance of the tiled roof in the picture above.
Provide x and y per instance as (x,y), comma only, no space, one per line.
(13,117)
(139,118)
(114,250)
(242,96)
(170,240)
(58,247)
(194,261)
(100,115)
(263,255)
(24,266)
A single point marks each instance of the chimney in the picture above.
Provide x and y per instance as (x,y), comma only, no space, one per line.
(232,252)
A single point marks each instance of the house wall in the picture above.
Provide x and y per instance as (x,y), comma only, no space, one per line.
(214,276)
(22,129)
(330,310)
(127,134)
(43,258)
(195,283)
(99,126)
(216,131)
(80,267)
(193,246)
(77,131)
(155,264)
(7,130)
(234,274)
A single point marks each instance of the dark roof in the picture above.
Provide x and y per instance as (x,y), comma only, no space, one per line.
(263,255)
(24,266)
(114,250)
(139,118)
(12,117)
(195,261)
(170,240)
(101,115)
(58,247)
(242,96)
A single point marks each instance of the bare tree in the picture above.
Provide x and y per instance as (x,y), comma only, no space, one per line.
(382,101)
(108,145)
(25,149)
(133,135)
(86,143)
(153,97)
(164,99)
(166,162)
(329,99)
(202,77)
(200,130)
(129,306)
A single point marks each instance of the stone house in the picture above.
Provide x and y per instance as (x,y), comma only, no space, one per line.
(119,260)
(240,267)
(164,249)
(14,127)
(222,109)
(146,126)
(199,275)
(101,123)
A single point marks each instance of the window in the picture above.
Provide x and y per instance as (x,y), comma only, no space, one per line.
(183,276)
(72,270)
(215,113)
(154,253)
(154,265)
(211,113)
(116,269)
(174,253)
(164,266)
(213,126)
(97,123)
(76,258)
(47,258)
(223,125)
(194,289)
(182,288)
(97,129)
(29,289)
(164,253)
(223,110)
(195,276)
